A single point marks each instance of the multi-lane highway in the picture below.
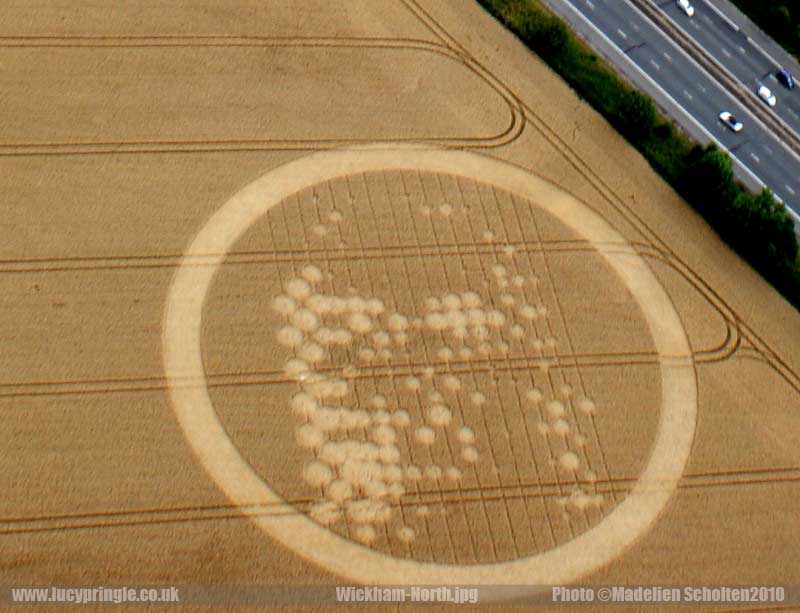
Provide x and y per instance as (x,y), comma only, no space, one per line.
(692,96)
(749,63)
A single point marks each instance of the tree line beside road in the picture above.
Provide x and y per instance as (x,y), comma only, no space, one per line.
(781,20)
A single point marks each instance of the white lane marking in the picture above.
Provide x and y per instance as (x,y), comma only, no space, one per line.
(742,50)
(687,94)
(755,157)
(724,17)
(702,89)
(726,52)
(792,113)
(695,25)
(622,34)
(667,56)
(589,4)
(768,150)
(706,18)
(789,189)
(655,64)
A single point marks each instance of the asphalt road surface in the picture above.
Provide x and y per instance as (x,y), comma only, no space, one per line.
(731,47)
(759,150)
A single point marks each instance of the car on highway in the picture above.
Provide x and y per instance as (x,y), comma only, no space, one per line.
(729,120)
(686,7)
(785,78)
(766,95)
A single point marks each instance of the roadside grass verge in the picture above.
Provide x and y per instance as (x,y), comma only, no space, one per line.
(757,227)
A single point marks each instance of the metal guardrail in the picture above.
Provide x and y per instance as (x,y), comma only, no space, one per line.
(720,73)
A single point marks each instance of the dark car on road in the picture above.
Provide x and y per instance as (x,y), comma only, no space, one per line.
(785,78)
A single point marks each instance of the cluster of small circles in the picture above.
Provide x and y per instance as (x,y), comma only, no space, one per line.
(461,316)
(522,310)
(444,210)
(439,415)
(334,217)
(580,499)
(360,480)
(467,322)
(358,320)
(559,423)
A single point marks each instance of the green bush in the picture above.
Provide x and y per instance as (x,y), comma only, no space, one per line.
(547,34)
(778,19)
(757,227)
(708,180)
(639,116)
